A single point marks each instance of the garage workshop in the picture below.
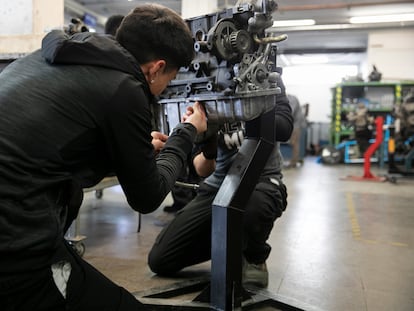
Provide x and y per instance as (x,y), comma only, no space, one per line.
(207,155)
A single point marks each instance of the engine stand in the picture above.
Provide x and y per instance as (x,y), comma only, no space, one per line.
(224,290)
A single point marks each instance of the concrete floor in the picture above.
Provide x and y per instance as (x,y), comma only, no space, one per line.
(341,244)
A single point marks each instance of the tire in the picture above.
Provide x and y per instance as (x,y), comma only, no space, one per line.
(330,155)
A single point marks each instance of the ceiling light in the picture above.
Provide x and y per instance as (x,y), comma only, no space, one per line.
(294,22)
(382,18)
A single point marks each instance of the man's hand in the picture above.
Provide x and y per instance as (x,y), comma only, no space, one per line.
(158,141)
(196,115)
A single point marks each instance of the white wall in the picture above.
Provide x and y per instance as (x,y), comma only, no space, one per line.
(312,84)
(23,24)
(191,8)
(392,52)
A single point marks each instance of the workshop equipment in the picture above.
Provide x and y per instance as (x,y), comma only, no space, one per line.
(234,76)
(379,136)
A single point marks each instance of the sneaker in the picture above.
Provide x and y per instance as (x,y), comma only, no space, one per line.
(255,274)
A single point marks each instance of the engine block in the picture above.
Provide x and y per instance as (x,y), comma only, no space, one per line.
(233,74)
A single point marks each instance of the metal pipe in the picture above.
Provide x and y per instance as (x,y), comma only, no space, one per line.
(267,40)
(187,185)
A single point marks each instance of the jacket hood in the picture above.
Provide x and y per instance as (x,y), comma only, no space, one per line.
(87,48)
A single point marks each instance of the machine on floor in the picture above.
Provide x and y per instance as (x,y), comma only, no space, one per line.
(235,77)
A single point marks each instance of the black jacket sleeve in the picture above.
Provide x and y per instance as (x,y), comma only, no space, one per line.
(283,115)
(145,180)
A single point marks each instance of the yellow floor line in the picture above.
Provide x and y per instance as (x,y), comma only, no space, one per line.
(356,229)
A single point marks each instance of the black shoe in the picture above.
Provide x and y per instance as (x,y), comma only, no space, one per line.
(255,274)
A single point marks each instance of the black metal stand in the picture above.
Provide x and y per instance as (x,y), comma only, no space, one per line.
(224,291)
(228,209)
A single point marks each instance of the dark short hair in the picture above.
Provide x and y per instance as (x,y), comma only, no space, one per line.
(152,31)
(113,23)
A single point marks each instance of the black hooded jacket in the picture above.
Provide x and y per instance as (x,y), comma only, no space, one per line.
(70,114)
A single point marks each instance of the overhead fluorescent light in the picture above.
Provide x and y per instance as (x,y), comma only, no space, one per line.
(294,22)
(382,18)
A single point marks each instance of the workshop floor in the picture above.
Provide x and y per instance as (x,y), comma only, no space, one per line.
(341,244)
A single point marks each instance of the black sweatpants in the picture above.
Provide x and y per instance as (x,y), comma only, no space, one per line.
(186,240)
(87,289)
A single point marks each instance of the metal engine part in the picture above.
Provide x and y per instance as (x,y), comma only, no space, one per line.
(234,72)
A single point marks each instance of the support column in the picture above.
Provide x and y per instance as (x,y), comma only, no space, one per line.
(24,23)
(191,8)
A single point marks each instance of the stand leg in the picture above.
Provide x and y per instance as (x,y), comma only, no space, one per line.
(228,208)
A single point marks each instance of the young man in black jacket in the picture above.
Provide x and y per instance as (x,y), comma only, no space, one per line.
(71,113)
(186,240)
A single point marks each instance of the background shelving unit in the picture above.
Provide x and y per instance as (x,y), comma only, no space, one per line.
(379,97)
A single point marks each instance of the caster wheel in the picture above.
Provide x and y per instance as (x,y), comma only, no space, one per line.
(98,194)
(79,248)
